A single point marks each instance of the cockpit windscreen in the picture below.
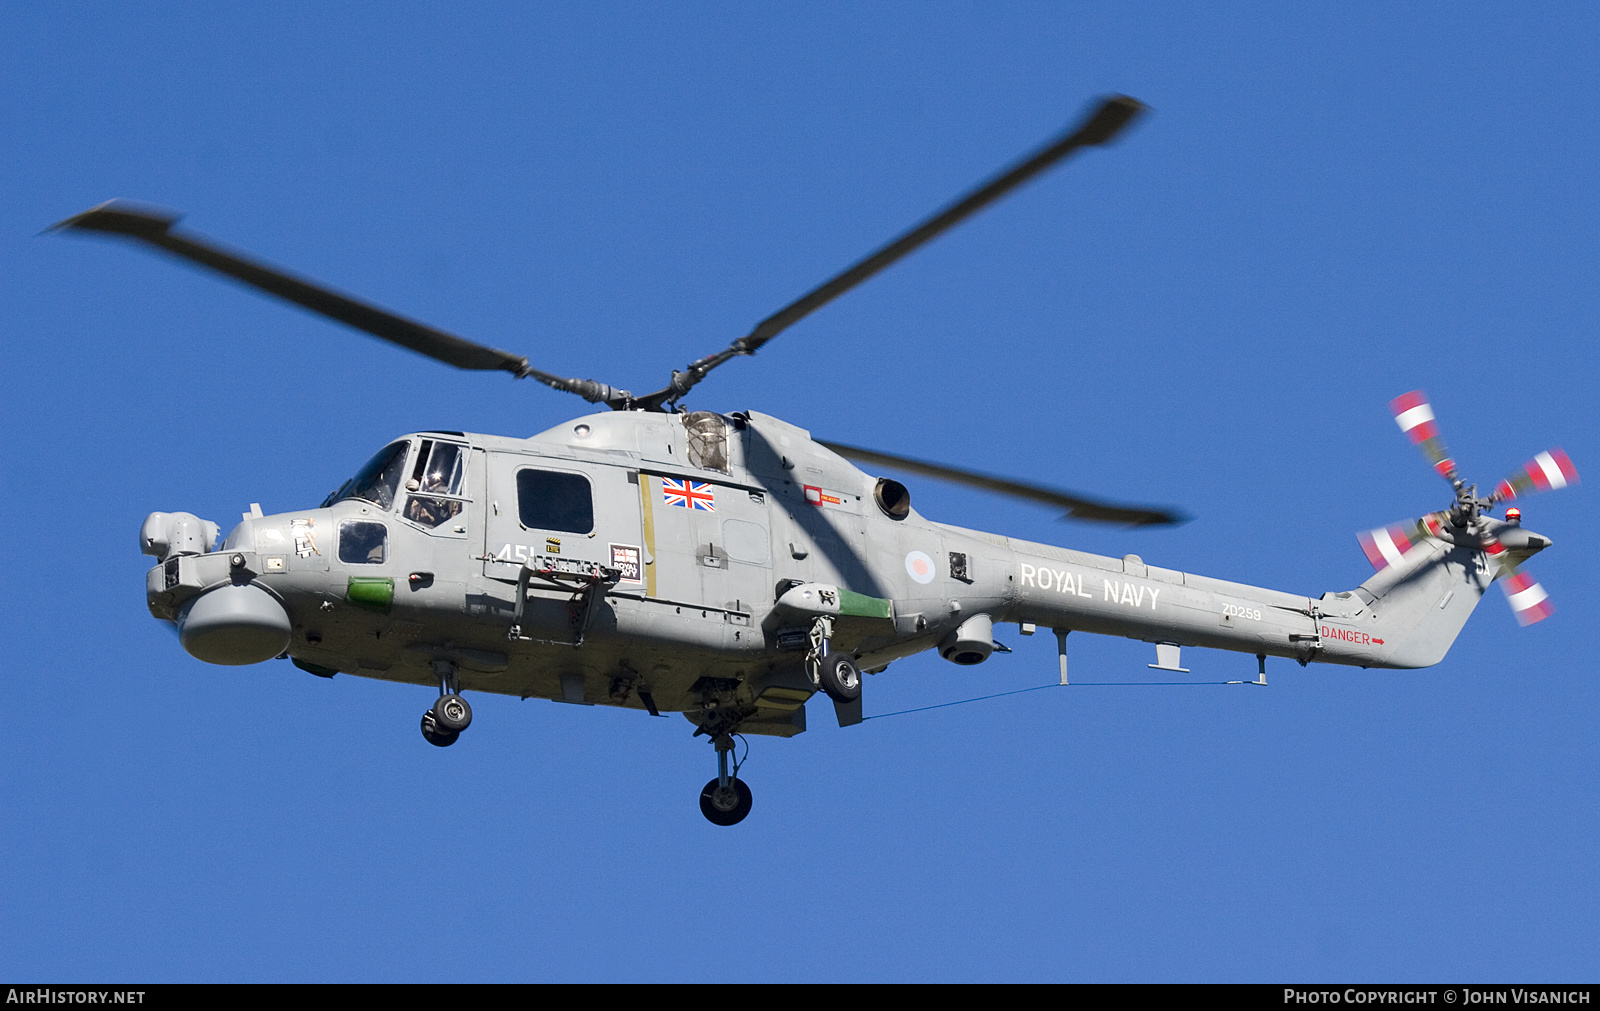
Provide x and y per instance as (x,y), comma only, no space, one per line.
(379,480)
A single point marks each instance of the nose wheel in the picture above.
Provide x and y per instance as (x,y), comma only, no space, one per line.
(442,724)
(726,800)
(434,735)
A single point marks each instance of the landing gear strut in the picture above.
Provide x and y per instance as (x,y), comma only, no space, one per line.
(442,724)
(835,674)
(726,799)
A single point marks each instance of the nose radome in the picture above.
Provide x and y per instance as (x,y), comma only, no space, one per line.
(234,625)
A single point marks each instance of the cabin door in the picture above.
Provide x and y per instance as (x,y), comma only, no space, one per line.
(563,514)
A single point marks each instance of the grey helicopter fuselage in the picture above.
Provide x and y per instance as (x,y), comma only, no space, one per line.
(674,562)
(730,566)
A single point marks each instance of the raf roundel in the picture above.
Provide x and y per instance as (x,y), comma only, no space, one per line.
(919,567)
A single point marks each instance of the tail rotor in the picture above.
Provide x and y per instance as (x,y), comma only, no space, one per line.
(1468,522)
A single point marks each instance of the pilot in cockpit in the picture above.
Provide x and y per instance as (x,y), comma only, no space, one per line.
(439,472)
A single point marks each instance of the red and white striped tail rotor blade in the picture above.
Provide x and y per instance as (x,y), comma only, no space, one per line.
(1529,603)
(1548,471)
(1414,415)
(1385,546)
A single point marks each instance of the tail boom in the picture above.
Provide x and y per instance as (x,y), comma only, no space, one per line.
(1405,616)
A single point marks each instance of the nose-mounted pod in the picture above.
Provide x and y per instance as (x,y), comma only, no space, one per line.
(234,624)
(222,617)
(167,534)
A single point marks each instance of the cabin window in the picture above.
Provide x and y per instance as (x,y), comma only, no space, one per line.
(362,542)
(552,500)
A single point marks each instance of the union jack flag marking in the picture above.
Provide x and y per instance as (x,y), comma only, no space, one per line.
(689,494)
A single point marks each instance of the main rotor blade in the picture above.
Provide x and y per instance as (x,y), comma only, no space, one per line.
(1077,507)
(154,227)
(1101,127)
(1108,120)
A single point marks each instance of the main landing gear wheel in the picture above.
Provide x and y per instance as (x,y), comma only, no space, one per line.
(840,678)
(726,800)
(725,805)
(452,714)
(435,736)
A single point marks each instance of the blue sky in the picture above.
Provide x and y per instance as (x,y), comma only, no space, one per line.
(1325,210)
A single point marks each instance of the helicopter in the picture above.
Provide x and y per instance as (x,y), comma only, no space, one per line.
(731,567)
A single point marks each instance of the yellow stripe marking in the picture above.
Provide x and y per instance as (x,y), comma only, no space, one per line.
(649,559)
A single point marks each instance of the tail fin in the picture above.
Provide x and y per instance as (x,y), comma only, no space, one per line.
(1424,600)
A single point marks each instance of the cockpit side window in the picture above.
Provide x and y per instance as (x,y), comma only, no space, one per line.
(362,542)
(379,480)
(438,472)
(439,468)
